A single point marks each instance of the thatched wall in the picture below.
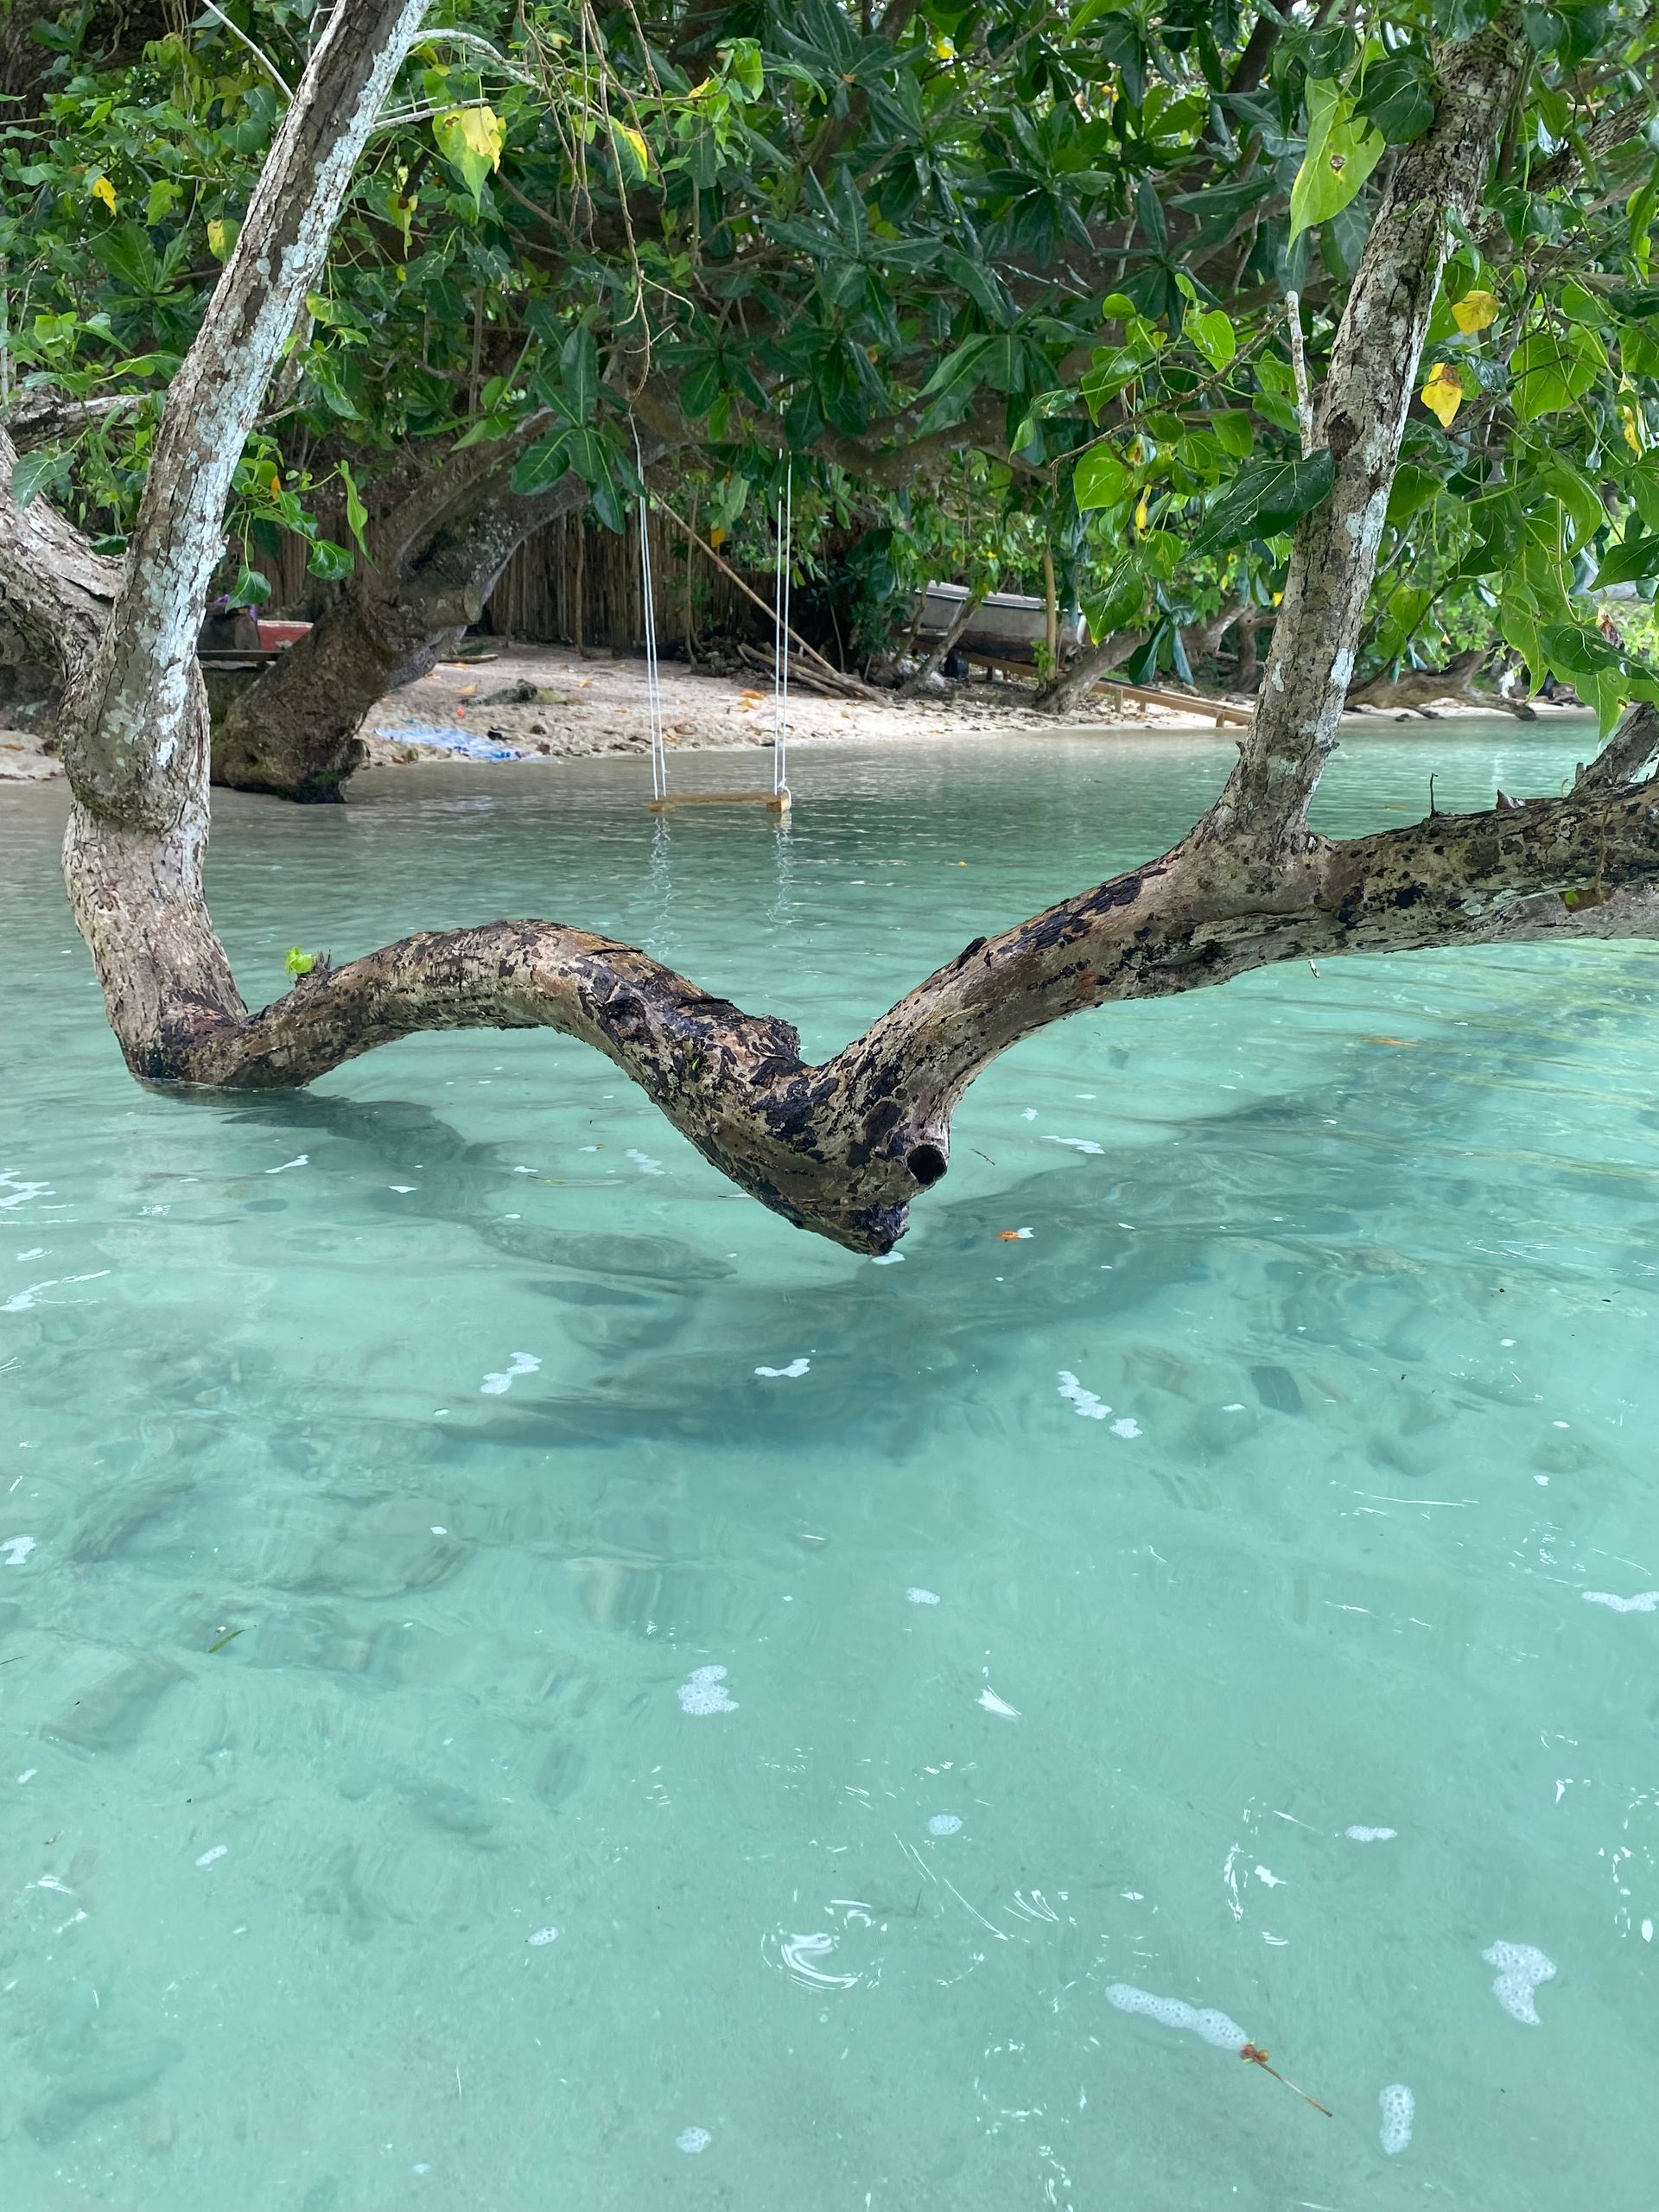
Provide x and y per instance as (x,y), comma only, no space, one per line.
(575,582)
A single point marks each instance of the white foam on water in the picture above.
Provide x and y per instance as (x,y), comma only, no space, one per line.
(29,1773)
(693,2139)
(991,1703)
(1399,2109)
(943,1824)
(887,1259)
(647,1165)
(1215,2028)
(402,1189)
(1647,1925)
(702,1693)
(34,1252)
(1370,1835)
(544,1935)
(1090,1407)
(15,1192)
(1078,1144)
(1236,1408)
(1521,1967)
(436,1531)
(1647,1602)
(1028,1112)
(1125,1427)
(790,1374)
(520,1363)
(920,1597)
(1273,1881)
(1018,1236)
(15,1550)
(218,1851)
(304,1160)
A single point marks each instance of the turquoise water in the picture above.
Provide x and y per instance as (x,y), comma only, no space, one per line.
(1076,1596)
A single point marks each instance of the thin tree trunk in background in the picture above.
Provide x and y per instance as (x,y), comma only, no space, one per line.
(1051,609)
(945,646)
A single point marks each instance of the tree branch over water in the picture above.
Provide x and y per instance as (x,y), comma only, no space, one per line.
(843,1147)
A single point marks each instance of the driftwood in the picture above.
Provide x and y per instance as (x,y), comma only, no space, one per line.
(1417,689)
(842,1146)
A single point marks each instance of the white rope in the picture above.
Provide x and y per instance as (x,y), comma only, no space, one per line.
(654,688)
(780,635)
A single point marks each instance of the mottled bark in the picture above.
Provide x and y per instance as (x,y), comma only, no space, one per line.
(1361,417)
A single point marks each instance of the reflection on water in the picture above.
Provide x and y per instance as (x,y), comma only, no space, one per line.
(522,1677)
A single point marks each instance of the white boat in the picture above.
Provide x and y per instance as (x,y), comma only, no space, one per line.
(1008,624)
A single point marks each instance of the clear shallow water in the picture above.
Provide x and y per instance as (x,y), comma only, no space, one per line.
(1074,1603)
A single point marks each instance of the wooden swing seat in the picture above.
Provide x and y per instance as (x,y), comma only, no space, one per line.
(778,801)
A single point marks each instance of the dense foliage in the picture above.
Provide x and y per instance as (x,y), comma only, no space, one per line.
(1006,282)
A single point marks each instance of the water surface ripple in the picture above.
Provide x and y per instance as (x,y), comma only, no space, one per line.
(524,1680)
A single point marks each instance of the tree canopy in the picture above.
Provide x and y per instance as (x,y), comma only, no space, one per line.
(1004,280)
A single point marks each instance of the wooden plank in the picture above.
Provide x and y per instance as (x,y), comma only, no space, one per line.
(778,801)
(1189,702)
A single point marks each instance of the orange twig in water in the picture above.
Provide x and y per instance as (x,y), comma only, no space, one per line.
(1260,2058)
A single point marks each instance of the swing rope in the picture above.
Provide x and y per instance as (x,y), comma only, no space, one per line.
(780,635)
(648,600)
(780,609)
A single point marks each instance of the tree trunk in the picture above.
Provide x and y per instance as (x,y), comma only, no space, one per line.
(841,1148)
(1436,181)
(293,733)
(1066,692)
(945,646)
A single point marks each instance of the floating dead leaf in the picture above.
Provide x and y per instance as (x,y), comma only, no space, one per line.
(1406,1044)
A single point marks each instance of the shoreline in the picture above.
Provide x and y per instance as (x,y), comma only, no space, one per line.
(595,707)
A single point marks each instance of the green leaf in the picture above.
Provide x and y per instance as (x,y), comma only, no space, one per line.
(329,561)
(36,472)
(1635,562)
(356,513)
(1265,499)
(1578,495)
(1101,480)
(741,62)
(1341,151)
(1235,431)
(1396,96)
(1414,487)
(250,587)
(1551,369)
(1212,333)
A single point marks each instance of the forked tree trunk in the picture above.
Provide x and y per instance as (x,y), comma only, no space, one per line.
(843,1147)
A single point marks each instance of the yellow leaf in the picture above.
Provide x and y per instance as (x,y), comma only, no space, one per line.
(222,236)
(1443,394)
(1474,311)
(101,189)
(716,538)
(482,130)
(636,145)
(1628,422)
(471,138)
(945,49)
(1140,511)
